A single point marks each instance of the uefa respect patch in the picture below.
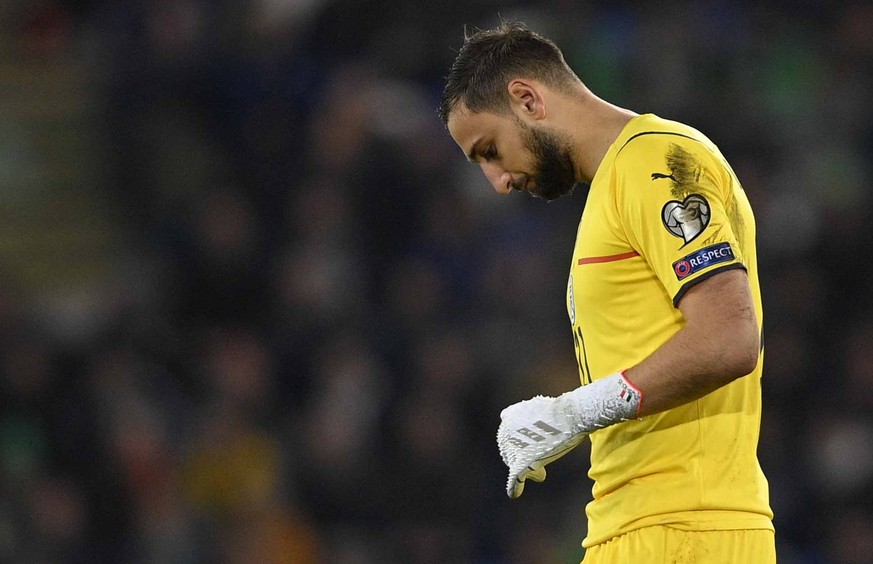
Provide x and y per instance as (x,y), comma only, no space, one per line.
(701,259)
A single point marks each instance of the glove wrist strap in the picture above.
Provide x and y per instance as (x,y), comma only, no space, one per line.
(605,402)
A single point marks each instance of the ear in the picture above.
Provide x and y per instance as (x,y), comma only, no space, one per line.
(526,98)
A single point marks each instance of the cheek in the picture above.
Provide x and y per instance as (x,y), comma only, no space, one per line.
(520,157)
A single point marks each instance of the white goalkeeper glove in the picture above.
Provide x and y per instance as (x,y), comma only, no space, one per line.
(537,431)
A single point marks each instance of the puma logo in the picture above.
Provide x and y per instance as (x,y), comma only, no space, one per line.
(658,175)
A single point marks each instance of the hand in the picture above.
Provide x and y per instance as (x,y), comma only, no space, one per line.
(533,433)
(537,431)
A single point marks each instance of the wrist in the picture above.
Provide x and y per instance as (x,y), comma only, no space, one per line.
(605,402)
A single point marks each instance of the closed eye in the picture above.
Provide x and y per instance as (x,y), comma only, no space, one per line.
(490,153)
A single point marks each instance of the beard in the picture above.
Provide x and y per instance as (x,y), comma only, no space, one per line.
(554,174)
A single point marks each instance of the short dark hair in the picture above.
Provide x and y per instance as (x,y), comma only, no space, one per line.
(490,58)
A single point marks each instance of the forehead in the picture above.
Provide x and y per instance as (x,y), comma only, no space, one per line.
(467,127)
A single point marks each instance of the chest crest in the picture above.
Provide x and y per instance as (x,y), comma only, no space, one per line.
(571,302)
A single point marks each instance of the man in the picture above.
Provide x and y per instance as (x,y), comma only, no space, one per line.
(663,300)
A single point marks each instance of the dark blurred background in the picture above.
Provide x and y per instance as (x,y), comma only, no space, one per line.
(256,307)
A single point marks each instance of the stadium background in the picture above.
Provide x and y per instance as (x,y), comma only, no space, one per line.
(255,307)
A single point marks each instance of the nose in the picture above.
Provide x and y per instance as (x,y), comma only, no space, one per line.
(499,178)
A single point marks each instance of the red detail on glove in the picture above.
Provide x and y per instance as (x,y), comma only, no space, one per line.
(639,391)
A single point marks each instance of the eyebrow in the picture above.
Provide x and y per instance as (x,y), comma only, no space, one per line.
(475,151)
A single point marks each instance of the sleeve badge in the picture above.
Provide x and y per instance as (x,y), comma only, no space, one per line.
(686,219)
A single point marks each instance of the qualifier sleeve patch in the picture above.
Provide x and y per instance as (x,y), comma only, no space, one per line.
(701,259)
(687,219)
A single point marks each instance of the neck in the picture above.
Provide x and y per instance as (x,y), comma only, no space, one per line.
(595,125)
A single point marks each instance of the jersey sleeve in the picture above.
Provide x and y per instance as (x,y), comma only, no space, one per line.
(674,201)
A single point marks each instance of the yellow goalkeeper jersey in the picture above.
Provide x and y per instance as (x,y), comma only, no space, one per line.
(665,211)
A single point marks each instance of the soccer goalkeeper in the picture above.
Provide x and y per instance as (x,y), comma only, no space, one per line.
(663,300)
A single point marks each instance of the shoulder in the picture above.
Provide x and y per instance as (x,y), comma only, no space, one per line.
(650,134)
(658,148)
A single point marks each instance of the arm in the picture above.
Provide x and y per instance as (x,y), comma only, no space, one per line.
(719,343)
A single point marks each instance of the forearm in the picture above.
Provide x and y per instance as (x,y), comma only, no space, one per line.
(719,343)
(692,364)
(687,367)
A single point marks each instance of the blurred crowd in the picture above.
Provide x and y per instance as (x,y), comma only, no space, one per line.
(256,307)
